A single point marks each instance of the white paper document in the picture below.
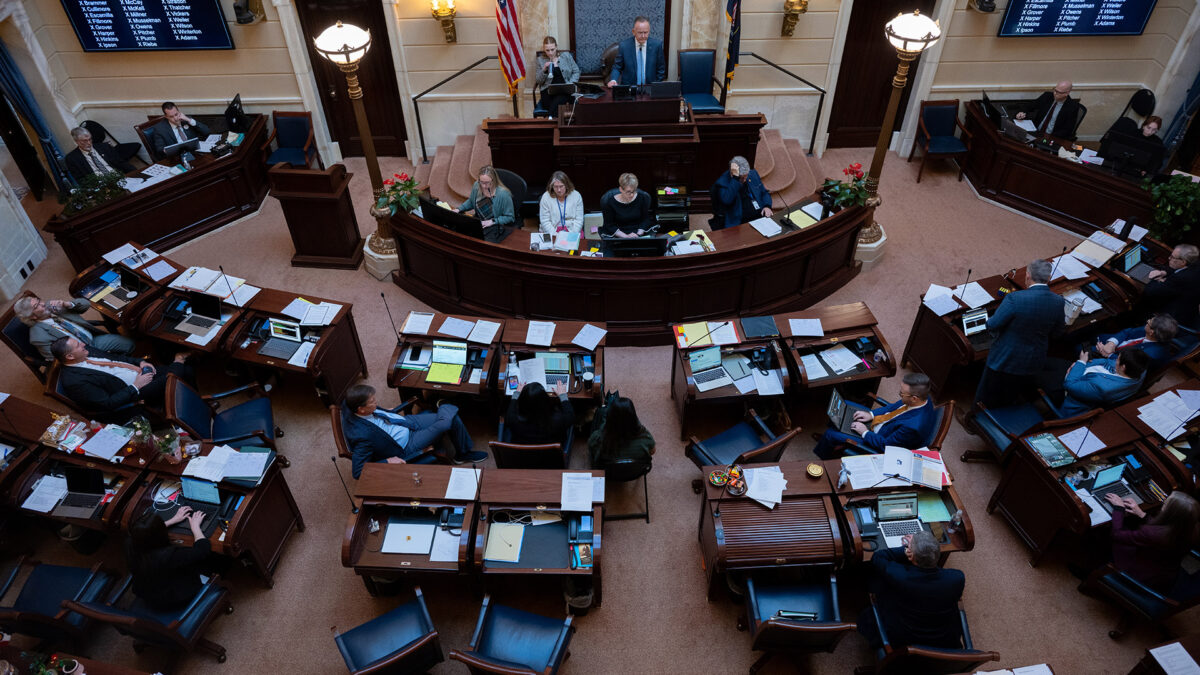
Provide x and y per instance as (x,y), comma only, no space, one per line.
(973,294)
(120,253)
(210,467)
(417,322)
(1037,669)
(589,336)
(296,309)
(770,384)
(766,485)
(531,370)
(1135,233)
(457,327)
(1082,442)
(319,314)
(540,333)
(1097,513)
(1089,156)
(476,376)
(1107,241)
(941,304)
(245,465)
(243,295)
(577,492)
(745,385)
(484,332)
(806,327)
(866,471)
(160,270)
(935,290)
(1068,266)
(1175,660)
(300,356)
(206,144)
(722,333)
(597,489)
(1190,398)
(48,492)
(107,442)
(445,546)
(1027,125)
(814,209)
(463,483)
(766,227)
(1166,414)
(204,339)
(812,367)
(841,359)
(410,538)
(1092,253)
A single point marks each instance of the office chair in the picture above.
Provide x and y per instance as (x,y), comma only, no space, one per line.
(1078,121)
(54,390)
(38,609)
(896,659)
(126,151)
(15,335)
(747,442)
(696,79)
(934,437)
(519,189)
(1138,602)
(403,640)
(1123,125)
(511,455)
(1142,102)
(626,470)
(1002,427)
(249,423)
(811,588)
(608,58)
(336,421)
(293,134)
(935,134)
(143,133)
(508,641)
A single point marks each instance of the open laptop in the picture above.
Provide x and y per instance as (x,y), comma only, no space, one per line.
(205,312)
(85,491)
(1014,131)
(192,144)
(1110,480)
(284,339)
(841,413)
(707,370)
(203,496)
(130,286)
(897,515)
(974,323)
(558,368)
(1135,267)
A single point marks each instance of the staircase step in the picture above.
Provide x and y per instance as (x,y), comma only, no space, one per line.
(461,178)
(764,161)
(421,173)
(481,154)
(783,174)
(806,176)
(439,174)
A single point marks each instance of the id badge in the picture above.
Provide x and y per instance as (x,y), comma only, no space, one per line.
(755,205)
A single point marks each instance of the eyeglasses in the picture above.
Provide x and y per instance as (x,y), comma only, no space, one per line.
(1064,93)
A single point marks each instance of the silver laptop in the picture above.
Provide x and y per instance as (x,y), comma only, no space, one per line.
(707,371)
(1014,131)
(1108,481)
(85,491)
(897,514)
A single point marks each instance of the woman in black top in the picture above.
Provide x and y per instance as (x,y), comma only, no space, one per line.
(627,213)
(536,417)
(1150,129)
(166,577)
(619,434)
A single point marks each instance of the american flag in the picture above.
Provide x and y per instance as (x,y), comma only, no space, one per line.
(508,35)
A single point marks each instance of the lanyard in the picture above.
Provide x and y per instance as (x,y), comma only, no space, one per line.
(562,215)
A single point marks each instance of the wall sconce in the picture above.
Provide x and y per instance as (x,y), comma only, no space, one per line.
(445,14)
(248,11)
(982,6)
(792,9)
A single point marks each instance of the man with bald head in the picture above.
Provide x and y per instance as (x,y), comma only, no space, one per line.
(1055,112)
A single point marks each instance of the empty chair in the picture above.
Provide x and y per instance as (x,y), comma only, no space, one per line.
(401,641)
(1142,102)
(38,610)
(696,80)
(795,614)
(1137,601)
(510,641)
(125,151)
(1001,427)
(179,630)
(251,422)
(935,134)
(293,134)
(748,441)
(916,659)
(625,470)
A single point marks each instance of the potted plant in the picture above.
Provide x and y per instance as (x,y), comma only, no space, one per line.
(399,193)
(1176,204)
(169,446)
(849,192)
(92,191)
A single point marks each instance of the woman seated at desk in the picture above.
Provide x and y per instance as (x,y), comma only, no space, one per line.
(492,203)
(1150,550)
(554,67)
(1150,129)
(619,434)
(626,212)
(561,206)
(167,577)
(536,417)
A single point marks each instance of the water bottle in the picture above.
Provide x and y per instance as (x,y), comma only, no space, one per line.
(956,522)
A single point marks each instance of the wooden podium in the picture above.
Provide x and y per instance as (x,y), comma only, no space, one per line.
(319,214)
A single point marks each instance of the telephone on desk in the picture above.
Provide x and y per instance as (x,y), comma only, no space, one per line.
(580,537)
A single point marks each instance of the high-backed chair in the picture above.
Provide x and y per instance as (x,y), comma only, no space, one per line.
(339,433)
(896,659)
(1001,427)
(1142,102)
(1079,121)
(38,609)
(293,135)
(626,470)
(1138,602)
(811,590)
(179,630)
(401,641)
(943,418)
(509,641)
(143,133)
(125,151)
(935,134)
(519,189)
(511,455)
(747,442)
(15,335)
(608,58)
(54,390)
(251,422)
(696,80)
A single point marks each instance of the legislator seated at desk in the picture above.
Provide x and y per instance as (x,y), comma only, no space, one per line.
(492,204)
(1101,384)
(175,128)
(1151,549)
(626,211)
(905,423)
(1055,112)
(561,207)
(739,195)
(1154,339)
(917,601)
(618,434)
(100,384)
(88,159)
(535,416)
(167,577)
(640,58)
(49,321)
(1176,291)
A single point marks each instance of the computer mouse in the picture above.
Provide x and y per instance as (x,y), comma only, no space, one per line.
(131,295)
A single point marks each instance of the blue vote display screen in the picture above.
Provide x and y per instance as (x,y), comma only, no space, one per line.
(148,25)
(1075,17)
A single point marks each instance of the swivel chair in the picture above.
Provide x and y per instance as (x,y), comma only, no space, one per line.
(403,640)
(770,595)
(251,422)
(38,609)
(897,659)
(509,641)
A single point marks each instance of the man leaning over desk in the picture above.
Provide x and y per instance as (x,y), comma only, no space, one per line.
(905,423)
(741,194)
(176,128)
(640,57)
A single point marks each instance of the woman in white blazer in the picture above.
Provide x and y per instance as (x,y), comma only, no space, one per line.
(561,206)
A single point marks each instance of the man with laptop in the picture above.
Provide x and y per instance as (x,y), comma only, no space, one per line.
(917,601)
(54,319)
(101,383)
(175,128)
(905,423)
(377,435)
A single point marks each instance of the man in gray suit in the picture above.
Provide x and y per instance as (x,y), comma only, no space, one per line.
(1022,326)
(49,321)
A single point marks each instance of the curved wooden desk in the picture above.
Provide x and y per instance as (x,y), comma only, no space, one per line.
(639,298)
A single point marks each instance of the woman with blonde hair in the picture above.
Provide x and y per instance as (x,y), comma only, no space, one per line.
(561,206)
(1151,549)
(492,204)
(627,211)
(554,67)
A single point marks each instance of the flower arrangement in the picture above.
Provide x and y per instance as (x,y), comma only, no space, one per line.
(92,191)
(399,193)
(54,664)
(850,192)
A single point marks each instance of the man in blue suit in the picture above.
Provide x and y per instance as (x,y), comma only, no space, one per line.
(376,435)
(1103,383)
(905,423)
(739,194)
(1022,326)
(1154,338)
(917,601)
(640,58)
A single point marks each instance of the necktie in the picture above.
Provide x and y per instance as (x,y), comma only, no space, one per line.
(641,65)
(75,331)
(1130,343)
(98,163)
(179,132)
(881,419)
(1049,115)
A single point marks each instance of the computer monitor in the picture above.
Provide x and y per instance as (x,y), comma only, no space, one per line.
(235,117)
(1131,153)
(205,304)
(642,247)
(992,111)
(464,225)
(624,92)
(665,89)
(189,145)
(1132,258)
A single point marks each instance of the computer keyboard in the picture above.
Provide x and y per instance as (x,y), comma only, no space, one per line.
(81,500)
(710,375)
(199,321)
(899,528)
(555,379)
(279,348)
(1119,489)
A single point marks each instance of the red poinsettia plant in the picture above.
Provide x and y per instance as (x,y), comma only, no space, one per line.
(849,192)
(399,193)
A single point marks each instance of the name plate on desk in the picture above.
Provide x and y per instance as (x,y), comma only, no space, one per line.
(631,139)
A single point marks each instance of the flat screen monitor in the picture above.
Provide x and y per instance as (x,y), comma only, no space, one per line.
(993,112)
(464,225)
(235,117)
(189,145)
(642,247)
(1032,18)
(205,304)
(148,25)
(1131,153)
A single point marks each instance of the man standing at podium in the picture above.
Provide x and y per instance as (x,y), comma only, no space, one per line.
(176,128)
(640,58)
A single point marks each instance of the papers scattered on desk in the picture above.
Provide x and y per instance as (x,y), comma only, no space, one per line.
(1107,241)
(1167,413)
(120,253)
(973,295)
(47,493)
(504,542)
(686,246)
(463,483)
(410,538)
(223,462)
(589,336)
(540,333)
(483,332)
(813,367)
(157,171)
(1068,266)
(766,227)
(1135,233)
(320,313)
(160,270)
(1082,441)
(577,491)
(445,546)
(206,144)
(1087,304)
(806,327)
(866,471)
(1089,156)
(765,485)
(770,384)
(138,259)
(417,322)
(1175,660)
(300,356)
(940,299)
(1093,253)
(107,442)
(692,335)
(456,327)
(745,385)
(723,333)
(531,370)
(841,359)
(243,295)
(1096,513)
(813,209)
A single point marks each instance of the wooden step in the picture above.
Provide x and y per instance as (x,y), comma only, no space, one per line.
(806,177)
(461,176)
(439,173)
(783,174)
(764,160)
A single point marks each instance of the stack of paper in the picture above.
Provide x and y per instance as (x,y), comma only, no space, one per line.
(692,335)
(841,359)
(119,253)
(1136,232)
(206,144)
(813,367)
(1168,413)
(866,471)
(1093,253)
(723,333)
(940,299)
(160,270)
(766,227)
(685,247)
(47,493)
(107,442)
(456,327)
(483,332)
(207,281)
(1067,265)
(223,462)
(540,333)
(765,485)
(577,491)
(973,295)
(806,328)
(417,322)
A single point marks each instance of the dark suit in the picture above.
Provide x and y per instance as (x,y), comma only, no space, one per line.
(96,391)
(907,430)
(1064,126)
(1159,352)
(730,193)
(79,167)
(1177,295)
(369,443)
(1086,391)
(161,135)
(625,67)
(1023,325)
(917,606)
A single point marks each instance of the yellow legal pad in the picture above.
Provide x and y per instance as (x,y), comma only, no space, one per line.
(445,373)
(504,542)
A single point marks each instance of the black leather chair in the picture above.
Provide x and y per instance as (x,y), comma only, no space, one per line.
(624,471)
(15,335)
(696,80)
(1138,602)
(810,589)
(935,134)
(38,609)
(511,455)
(1079,121)
(1142,102)
(916,659)
(608,58)
(509,641)
(126,151)
(401,641)
(747,442)
(251,422)
(519,189)
(179,630)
